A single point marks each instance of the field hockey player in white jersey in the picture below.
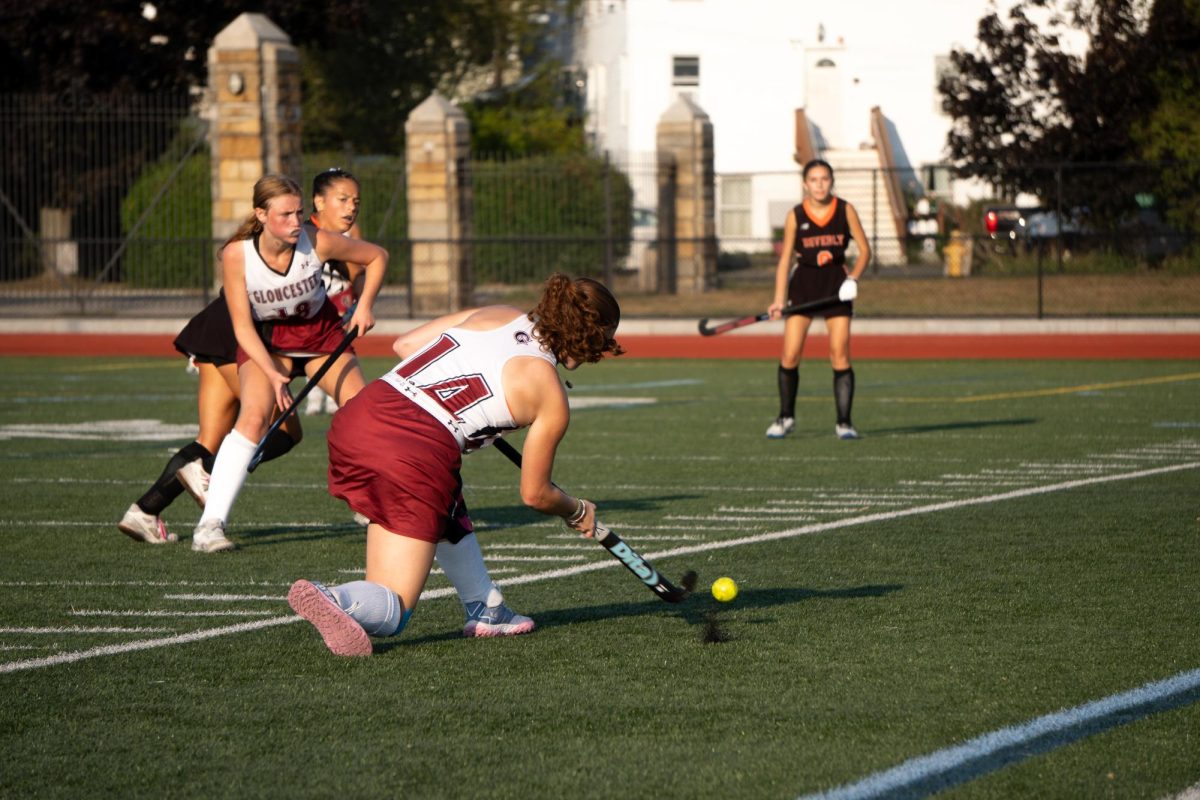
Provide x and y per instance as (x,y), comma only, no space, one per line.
(396,449)
(336,195)
(285,327)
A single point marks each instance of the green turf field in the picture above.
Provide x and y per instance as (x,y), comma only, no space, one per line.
(992,586)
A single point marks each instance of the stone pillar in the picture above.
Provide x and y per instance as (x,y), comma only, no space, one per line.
(438,147)
(254,112)
(685,138)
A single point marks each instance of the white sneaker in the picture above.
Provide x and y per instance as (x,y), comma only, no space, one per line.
(143,527)
(331,405)
(845,432)
(210,537)
(195,479)
(361,519)
(316,403)
(781,427)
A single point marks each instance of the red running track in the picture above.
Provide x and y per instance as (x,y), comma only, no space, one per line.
(863,346)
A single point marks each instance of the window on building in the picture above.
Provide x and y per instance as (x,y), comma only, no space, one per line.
(734,213)
(685,71)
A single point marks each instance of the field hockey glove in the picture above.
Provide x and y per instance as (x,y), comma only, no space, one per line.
(848,291)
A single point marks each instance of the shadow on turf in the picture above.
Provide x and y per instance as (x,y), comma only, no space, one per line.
(694,610)
(498,518)
(954,426)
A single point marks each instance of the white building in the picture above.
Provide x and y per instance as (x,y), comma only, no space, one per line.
(750,64)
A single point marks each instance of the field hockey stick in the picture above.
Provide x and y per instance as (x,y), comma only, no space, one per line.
(308,387)
(799,308)
(634,562)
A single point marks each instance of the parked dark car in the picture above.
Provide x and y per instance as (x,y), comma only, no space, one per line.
(1005,225)
(1042,229)
(1144,235)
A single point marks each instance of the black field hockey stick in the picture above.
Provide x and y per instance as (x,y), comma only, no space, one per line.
(635,563)
(799,308)
(308,387)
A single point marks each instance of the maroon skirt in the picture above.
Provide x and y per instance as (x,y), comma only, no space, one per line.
(391,461)
(311,337)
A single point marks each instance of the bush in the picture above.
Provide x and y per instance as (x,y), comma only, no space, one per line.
(172,248)
(535,216)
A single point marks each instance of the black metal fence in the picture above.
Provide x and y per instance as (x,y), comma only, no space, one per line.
(91,188)
(105,209)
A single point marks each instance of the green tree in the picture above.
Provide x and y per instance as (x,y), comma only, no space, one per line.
(1022,103)
(1171,131)
(55,45)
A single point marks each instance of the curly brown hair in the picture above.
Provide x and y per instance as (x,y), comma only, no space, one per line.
(574,319)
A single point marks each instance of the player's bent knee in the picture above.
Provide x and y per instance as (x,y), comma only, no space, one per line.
(376,608)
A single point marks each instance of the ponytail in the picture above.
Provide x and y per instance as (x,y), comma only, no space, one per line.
(573,319)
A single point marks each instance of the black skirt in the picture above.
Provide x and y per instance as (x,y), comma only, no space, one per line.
(208,337)
(816,283)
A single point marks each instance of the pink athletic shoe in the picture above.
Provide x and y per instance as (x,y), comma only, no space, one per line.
(342,634)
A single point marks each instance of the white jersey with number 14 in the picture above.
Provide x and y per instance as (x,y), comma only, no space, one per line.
(462,370)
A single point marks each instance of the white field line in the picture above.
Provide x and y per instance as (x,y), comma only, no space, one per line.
(580,546)
(1190,793)
(787,512)
(144,644)
(594,566)
(434,571)
(738,520)
(114,584)
(892,782)
(151,613)
(838,503)
(536,558)
(77,629)
(640,537)
(226,598)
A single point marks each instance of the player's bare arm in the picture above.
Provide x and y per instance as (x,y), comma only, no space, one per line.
(233,270)
(332,246)
(781,269)
(860,238)
(536,397)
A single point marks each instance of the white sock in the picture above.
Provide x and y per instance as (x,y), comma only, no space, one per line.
(375,607)
(228,475)
(316,399)
(463,565)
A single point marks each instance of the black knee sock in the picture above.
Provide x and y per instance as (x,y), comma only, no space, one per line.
(789,382)
(167,487)
(278,443)
(843,394)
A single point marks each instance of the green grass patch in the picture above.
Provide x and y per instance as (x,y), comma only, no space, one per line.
(952,613)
